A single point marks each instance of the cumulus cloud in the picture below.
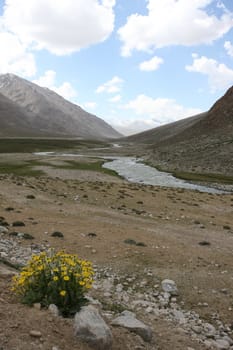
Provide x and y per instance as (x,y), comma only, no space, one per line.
(61,27)
(229,48)
(219,75)
(160,110)
(115,98)
(90,105)
(151,65)
(49,80)
(173,22)
(112,86)
(14,57)
(151,113)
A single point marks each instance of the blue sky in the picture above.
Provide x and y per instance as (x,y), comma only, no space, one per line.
(137,64)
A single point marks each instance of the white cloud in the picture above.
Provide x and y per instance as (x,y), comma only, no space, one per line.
(14,57)
(90,105)
(151,65)
(219,75)
(160,110)
(173,22)
(61,27)
(229,48)
(111,86)
(115,98)
(150,113)
(49,80)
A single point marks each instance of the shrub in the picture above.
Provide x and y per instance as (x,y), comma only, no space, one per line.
(54,278)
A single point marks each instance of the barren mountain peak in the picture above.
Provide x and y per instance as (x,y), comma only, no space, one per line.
(50,113)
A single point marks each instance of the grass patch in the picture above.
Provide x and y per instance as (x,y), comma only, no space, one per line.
(198,177)
(204,177)
(90,166)
(23,169)
(28,168)
(29,145)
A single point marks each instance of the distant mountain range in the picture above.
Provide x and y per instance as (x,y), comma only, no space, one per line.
(200,143)
(27,109)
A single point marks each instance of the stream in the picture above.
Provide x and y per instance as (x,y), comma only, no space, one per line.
(134,171)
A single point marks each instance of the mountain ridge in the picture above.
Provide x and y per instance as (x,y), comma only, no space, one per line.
(201,143)
(51,113)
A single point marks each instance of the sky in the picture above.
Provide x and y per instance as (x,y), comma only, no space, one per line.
(137,64)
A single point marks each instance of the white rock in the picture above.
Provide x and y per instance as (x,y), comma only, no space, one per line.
(210,330)
(3,229)
(128,320)
(169,286)
(221,344)
(90,327)
(53,309)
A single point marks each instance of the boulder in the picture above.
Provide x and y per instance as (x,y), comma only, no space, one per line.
(129,321)
(90,328)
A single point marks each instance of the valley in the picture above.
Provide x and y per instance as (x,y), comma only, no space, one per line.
(136,236)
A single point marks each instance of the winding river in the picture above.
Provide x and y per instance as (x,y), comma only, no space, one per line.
(135,171)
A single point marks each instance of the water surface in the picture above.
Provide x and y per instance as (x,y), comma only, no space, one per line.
(135,171)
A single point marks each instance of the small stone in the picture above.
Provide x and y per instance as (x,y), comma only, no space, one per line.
(221,344)
(92,234)
(3,229)
(204,243)
(57,234)
(197,329)
(18,223)
(53,309)
(37,306)
(30,196)
(27,236)
(169,286)
(179,316)
(35,334)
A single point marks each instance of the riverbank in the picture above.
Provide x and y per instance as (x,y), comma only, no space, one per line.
(127,229)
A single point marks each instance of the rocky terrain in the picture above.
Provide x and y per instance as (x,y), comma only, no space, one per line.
(164,255)
(199,144)
(42,112)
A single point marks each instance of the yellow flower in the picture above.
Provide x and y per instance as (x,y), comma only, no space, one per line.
(66,278)
(55,278)
(62,293)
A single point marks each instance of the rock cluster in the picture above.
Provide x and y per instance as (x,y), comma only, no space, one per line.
(159,301)
(12,252)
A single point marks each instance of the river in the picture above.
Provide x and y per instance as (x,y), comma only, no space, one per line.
(134,171)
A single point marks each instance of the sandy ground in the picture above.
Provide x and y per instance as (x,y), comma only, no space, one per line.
(170,222)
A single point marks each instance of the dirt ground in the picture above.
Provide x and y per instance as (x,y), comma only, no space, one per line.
(170,222)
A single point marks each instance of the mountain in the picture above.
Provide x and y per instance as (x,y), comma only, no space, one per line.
(47,113)
(202,143)
(10,115)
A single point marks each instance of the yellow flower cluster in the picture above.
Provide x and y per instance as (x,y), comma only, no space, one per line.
(57,278)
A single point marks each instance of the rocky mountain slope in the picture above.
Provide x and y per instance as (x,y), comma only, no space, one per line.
(10,113)
(50,114)
(202,143)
